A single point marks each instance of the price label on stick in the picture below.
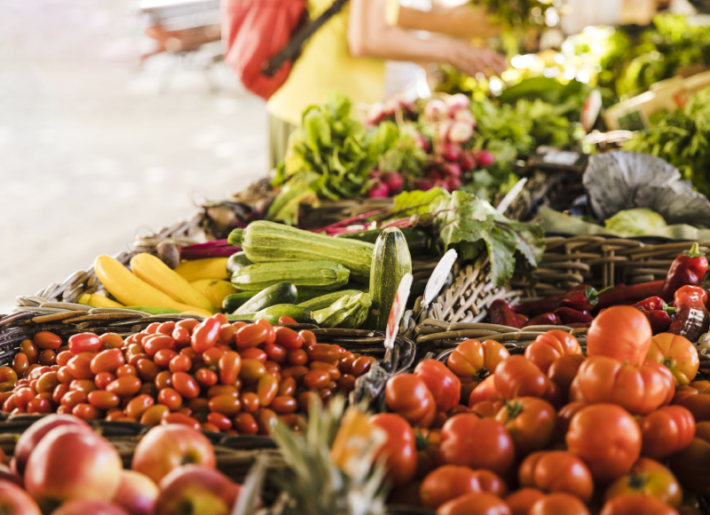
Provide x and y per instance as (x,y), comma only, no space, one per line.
(397,311)
(438,277)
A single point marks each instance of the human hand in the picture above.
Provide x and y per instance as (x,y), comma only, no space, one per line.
(473,60)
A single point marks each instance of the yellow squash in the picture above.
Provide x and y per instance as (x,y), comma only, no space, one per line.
(210,268)
(131,291)
(98,301)
(153,271)
(214,289)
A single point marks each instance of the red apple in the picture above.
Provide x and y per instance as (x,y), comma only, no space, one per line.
(165,448)
(89,507)
(30,438)
(136,493)
(15,501)
(194,489)
(72,463)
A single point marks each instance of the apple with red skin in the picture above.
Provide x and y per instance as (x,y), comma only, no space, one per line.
(89,507)
(165,448)
(137,493)
(196,490)
(30,438)
(15,501)
(72,463)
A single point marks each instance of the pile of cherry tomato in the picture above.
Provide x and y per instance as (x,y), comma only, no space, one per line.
(213,375)
(621,430)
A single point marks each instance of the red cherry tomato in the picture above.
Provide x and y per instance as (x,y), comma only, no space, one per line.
(206,335)
(84,342)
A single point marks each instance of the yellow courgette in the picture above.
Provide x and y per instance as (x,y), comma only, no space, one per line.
(153,271)
(214,289)
(98,301)
(210,268)
(131,291)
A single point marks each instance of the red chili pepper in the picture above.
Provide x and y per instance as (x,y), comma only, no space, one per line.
(502,314)
(692,318)
(581,298)
(651,304)
(539,307)
(688,269)
(544,319)
(660,320)
(573,316)
(621,295)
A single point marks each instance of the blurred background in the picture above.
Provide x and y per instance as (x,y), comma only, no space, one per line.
(93,145)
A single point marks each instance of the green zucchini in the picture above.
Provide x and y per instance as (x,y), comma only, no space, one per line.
(329,299)
(390,262)
(314,275)
(268,242)
(280,293)
(233,302)
(273,313)
(349,312)
(236,262)
(418,242)
(305,295)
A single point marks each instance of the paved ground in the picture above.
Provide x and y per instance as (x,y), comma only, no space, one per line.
(91,150)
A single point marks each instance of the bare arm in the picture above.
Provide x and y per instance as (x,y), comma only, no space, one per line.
(464,21)
(369,35)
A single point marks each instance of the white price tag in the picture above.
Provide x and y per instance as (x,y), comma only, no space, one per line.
(438,276)
(397,312)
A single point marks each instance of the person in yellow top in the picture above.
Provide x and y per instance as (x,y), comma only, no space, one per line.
(348,54)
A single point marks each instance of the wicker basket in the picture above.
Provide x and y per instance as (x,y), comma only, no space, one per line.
(598,261)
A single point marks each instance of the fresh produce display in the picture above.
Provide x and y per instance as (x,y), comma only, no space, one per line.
(236,378)
(65,468)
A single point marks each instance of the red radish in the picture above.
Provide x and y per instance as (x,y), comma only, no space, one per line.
(444,130)
(434,175)
(374,174)
(422,142)
(454,183)
(464,115)
(451,152)
(376,113)
(467,161)
(379,190)
(484,159)
(423,184)
(460,132)
(393,180)
(436,110)
(452,169)
(458,102)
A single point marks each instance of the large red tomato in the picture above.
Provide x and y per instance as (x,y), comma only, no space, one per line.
(428,441)
(678,354)
(399,450)
(477,443)
(485,391)
(472,359)
(695,397)
(607,439)
(447,483)
(408,396)
(639,390)
(522,500)
(557,471)
(551,346)
(636,504)
(692,465)
(518,377)
(444,386)
(620,332)
(667,430)
(530,422)
(650,478)
(563,371)
(475,504)
(559,504)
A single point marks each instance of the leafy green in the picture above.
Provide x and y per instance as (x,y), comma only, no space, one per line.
(392,148)
(682,138)
(635,222)
(469,224)
(415,202)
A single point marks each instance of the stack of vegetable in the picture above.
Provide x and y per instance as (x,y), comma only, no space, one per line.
(622,430)
(678,304)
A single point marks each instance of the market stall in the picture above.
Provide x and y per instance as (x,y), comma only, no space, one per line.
(461,305)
